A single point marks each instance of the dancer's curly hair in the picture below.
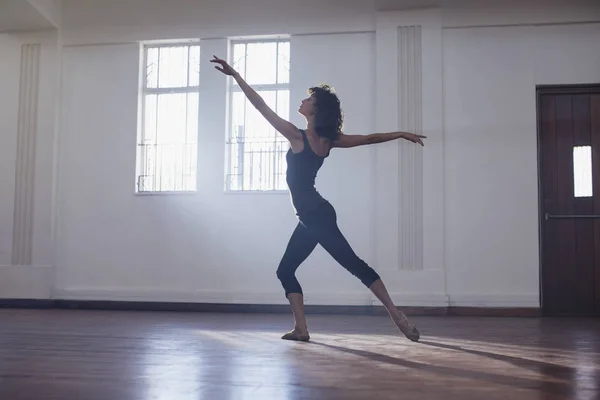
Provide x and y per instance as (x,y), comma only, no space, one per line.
(329,118)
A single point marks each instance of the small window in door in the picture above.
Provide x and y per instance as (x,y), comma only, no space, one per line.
(582,171)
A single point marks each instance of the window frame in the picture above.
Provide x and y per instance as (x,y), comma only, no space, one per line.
(232,88)
(143,91)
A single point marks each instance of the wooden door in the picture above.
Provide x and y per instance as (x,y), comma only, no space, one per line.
(569,155)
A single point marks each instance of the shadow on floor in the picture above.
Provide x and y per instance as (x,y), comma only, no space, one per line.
(571,334)
(555,388)
(542,367)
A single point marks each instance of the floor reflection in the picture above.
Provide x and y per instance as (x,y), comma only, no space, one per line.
(258,366)
(172,369)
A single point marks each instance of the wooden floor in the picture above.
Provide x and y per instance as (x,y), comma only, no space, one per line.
(72,355)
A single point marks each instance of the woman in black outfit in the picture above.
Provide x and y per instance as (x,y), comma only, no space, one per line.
(317,218)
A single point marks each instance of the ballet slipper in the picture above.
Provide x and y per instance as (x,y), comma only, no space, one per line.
(296,335)
(411,332)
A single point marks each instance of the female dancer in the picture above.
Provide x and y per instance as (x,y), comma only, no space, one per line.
(317,217)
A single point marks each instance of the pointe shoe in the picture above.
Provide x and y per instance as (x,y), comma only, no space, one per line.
(413,335)
(296,335)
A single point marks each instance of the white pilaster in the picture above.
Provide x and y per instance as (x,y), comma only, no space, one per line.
(25,165)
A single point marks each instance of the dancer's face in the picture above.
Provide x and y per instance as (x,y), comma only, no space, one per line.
(307,108)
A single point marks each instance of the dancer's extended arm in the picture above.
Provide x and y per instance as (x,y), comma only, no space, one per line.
(346,141)
(284,127)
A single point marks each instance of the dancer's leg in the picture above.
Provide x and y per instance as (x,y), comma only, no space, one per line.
(300,331)
(399,318)
(299,247)
(326,230)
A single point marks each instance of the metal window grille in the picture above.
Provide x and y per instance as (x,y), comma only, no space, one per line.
(255,150)
(168,141)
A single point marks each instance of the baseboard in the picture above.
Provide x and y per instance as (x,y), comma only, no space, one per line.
(528,312)
(409,300)
(27,303)
(152,295)
(353,298)
(483,300)
(354,303)
(260,308)
(346,298)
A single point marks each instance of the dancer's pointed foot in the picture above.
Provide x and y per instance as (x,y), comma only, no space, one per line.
(298,335)
(410,331)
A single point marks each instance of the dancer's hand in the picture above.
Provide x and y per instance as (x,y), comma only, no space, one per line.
(414,138)
(225,68)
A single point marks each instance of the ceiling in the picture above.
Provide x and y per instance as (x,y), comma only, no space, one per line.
(20,16)
(88,13)
(31,15)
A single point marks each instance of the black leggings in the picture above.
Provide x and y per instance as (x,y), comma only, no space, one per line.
(320,227)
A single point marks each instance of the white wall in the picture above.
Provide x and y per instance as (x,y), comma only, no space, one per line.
(490,75)
(35,280)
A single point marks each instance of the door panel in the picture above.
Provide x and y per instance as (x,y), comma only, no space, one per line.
(595,141)
(551,274)
(565,204)
(584,228)
(569,122)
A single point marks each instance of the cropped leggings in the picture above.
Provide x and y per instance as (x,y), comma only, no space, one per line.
(320,227)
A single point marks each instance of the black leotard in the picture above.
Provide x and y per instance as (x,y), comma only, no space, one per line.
(302,170)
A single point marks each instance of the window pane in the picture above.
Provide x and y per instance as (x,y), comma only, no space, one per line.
(146,183)
(283,104)
(173,67)
(256,151)
(147,155)
(171,135)
(257,128)
(191,141)
(171,118)
(239,59)
(194,66)
(168,146)
(582,171)
(238,111)
(280,166)
(283,62)
(192,118)
(149,129)
(169,153)
(261,63)
(152,68)
(234,182)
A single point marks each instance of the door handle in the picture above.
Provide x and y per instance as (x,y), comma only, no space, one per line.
(573,216)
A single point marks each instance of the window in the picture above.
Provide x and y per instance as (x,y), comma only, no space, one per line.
(255,150)
(582,171)
(167,144)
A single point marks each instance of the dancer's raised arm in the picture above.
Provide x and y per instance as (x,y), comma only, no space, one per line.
(286,128)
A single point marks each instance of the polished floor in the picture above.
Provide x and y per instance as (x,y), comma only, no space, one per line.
(72,355)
